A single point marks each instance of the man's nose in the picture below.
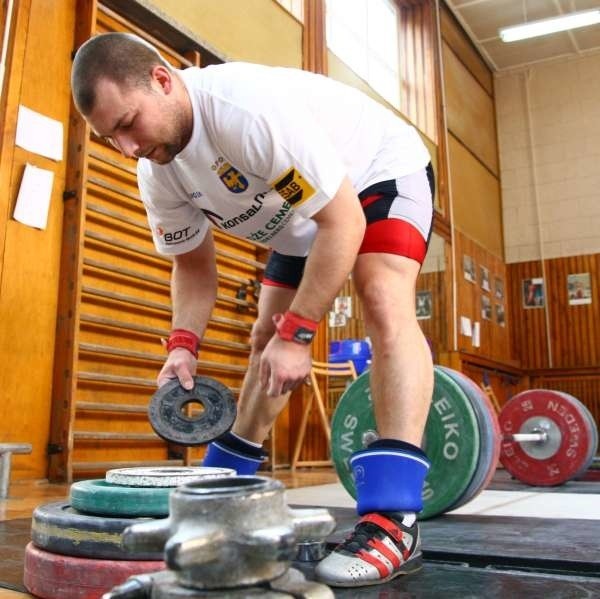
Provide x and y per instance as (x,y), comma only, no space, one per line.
(126,145)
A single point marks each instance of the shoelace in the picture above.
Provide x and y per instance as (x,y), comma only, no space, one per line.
(359,539)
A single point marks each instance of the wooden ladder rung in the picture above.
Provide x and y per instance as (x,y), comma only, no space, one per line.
(103,466)
(102,436)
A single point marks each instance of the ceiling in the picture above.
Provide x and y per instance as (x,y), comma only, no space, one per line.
(481,19)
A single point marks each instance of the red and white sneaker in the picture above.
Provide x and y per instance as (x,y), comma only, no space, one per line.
(379,549)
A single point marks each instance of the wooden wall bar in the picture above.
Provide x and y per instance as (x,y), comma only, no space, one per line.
(115,307)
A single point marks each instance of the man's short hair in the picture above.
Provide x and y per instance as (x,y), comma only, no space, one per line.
(120,57)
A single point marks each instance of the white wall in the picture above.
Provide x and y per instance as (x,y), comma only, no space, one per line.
(551,179)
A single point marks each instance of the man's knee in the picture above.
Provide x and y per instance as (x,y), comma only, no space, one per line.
(388,308)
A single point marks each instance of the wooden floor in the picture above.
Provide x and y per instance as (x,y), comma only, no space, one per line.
(25,496)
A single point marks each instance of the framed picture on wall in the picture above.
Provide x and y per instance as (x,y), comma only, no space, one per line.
(486,307)
(485,278)
(424,302)
(500,317)
(579,288)
(533,293)
(499,288)
(468,268)
(343,305)
(337,319)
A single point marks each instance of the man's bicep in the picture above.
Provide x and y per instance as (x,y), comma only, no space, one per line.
(344,204)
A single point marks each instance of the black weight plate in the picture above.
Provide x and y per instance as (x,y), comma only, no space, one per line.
(167,411)
(58,528)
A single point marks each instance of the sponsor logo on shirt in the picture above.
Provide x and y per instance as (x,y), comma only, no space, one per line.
(230,176)
(293,187)
(221,223)
(265,231)
(176,237)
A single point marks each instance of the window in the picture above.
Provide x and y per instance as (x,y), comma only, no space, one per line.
(364,34)
(295,7)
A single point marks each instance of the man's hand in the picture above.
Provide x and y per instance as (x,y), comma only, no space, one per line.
(181,364)
(283,366)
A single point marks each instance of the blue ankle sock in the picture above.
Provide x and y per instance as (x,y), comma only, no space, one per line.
(389,477)
(232,451)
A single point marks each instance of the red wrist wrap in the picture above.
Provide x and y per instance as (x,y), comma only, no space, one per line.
(185,339)
(291,327)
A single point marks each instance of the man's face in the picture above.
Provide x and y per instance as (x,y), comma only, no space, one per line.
(140,122)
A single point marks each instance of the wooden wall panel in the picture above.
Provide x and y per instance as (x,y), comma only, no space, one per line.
(417,55)
(573,329)
(495,339)
(585,386)
(435,328)
(470,111)
(38,78)
(454,36)
(475,199)
(504,383)
(252,30)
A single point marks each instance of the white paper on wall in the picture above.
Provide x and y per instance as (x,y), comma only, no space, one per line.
(39,133)
(465,326)
(476,339)
(33,201)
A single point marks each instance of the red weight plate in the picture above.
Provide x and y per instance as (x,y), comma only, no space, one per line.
(52,576)
(557,460)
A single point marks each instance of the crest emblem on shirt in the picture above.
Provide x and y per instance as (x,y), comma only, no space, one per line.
(293,187)
(231,177)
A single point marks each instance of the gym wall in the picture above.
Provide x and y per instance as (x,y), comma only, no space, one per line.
(252,30)
(33,290)
(549,137)
(474,188)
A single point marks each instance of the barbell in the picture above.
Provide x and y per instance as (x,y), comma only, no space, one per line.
(541,437)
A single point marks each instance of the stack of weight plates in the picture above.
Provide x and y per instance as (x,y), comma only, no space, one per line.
(75,550)
(462,439)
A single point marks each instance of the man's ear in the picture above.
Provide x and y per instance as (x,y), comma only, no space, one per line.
(163,77)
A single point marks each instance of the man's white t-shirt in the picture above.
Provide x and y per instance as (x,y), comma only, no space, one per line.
(269,148)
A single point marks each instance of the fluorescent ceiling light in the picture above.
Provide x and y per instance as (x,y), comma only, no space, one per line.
(552,25)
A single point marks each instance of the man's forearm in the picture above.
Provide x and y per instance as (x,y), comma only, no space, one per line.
(194,289)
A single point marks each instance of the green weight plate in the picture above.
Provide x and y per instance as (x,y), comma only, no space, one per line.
(100,498)
(452,440)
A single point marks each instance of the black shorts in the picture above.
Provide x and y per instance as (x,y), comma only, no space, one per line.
(399,215)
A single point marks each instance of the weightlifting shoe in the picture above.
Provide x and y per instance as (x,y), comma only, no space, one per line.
(380,548)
